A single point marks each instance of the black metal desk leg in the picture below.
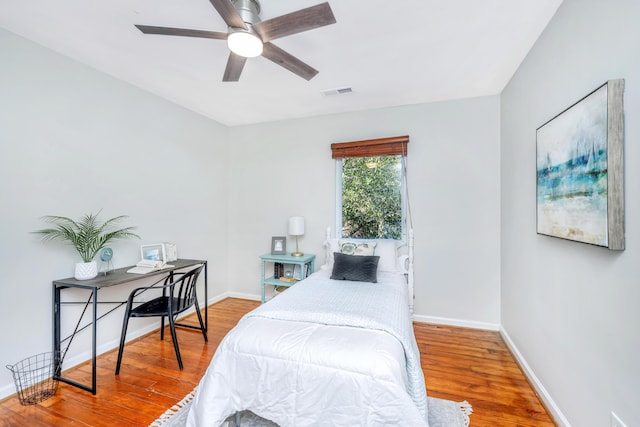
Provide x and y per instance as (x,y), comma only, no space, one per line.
(93,341)
(56,332)
(206,299)
(59,354)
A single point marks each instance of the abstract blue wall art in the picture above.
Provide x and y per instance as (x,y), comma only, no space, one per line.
(579,164)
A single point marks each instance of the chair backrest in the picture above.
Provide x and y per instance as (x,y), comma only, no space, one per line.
(183,290)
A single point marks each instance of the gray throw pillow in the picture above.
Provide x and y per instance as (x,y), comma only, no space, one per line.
(359,268)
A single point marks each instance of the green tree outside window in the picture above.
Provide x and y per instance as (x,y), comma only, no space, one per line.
(372,197)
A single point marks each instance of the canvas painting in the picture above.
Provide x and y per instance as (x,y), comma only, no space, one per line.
(579,171)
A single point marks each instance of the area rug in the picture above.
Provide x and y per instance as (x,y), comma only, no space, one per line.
(442,413)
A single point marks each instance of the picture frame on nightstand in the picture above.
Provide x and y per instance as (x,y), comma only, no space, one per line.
(278,245)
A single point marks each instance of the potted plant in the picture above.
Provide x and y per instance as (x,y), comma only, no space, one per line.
(88,236)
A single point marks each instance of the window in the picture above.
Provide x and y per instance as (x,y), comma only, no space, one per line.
(370,188)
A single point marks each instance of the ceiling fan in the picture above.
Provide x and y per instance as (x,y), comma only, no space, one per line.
(249,37)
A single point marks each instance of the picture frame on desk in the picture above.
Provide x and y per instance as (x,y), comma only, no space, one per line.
(154,252)
(278,245)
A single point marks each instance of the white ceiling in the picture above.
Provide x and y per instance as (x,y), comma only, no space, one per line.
(389,52)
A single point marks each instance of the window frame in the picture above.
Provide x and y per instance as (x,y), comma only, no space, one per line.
(371,148)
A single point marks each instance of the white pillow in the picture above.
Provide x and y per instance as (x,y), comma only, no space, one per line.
(336,245)
(385,249)
(349,247)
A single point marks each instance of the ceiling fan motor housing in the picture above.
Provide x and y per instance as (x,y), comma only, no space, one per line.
(249,10)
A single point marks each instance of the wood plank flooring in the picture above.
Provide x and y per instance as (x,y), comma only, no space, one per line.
(458,364)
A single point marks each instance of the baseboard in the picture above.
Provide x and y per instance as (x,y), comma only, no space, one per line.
(7,391)
(456,322)
(220,297)
(541,391)
(550,405)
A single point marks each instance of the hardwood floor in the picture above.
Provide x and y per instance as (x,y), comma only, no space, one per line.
(468,364)
(459,364)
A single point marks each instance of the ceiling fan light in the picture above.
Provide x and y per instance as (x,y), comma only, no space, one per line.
(245,44)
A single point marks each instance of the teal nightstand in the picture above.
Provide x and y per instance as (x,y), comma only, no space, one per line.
(306,263)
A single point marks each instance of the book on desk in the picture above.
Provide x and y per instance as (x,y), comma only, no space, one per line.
(147,266)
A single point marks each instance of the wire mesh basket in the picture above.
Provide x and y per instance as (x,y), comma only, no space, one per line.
(34,378)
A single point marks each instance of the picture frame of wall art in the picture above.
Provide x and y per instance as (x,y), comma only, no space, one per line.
(278,245)
(580,170)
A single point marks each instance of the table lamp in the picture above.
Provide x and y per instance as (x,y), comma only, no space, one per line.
(296,228)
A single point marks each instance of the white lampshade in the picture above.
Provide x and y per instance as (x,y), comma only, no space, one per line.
(296,226)
(245,44)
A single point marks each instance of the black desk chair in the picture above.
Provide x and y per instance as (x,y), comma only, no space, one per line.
(181,290)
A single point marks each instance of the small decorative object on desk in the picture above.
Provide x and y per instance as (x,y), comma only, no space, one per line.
(106,254)
(171,250)
(153,252)
(166,252)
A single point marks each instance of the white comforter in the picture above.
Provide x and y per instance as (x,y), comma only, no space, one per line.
(315,371)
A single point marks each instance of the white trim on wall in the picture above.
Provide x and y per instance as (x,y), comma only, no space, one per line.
(462,323)
(240,295)
(550,405)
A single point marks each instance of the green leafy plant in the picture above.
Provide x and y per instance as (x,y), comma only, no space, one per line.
(372,197)
(88,235)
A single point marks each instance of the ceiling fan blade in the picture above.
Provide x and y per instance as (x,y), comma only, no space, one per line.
(168,31)
(295,22)
(235,64)
(288,61)
(229,13)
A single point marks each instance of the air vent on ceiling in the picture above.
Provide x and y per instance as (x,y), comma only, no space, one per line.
(340,91)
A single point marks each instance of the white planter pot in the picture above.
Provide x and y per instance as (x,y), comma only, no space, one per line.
(86,270)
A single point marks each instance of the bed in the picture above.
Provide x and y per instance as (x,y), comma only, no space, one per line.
(326,351)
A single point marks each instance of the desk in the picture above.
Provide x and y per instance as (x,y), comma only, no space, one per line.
(113,278)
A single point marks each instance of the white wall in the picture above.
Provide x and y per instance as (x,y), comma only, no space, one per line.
(285,168)
(572,309)
(74,141)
